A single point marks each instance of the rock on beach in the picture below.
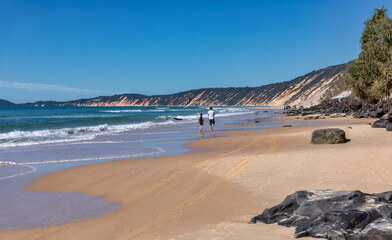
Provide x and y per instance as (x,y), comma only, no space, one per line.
(338,215)
(328,136)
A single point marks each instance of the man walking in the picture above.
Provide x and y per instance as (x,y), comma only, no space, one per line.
(211,117)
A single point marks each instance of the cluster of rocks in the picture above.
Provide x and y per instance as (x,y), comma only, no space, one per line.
(338,215)
(344,105)
(349,107)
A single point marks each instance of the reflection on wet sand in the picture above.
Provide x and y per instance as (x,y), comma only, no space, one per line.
(201,135)
(212,135)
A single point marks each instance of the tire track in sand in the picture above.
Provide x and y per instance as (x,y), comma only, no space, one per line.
(194,199)
(42,234)
(180,172)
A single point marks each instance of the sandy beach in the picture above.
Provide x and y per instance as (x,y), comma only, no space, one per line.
(213,192)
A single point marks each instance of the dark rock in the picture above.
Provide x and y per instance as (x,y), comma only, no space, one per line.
(340,215)
(308,118)
(380,123)
(379,112)
(358,115)
(287,126)
(389,127)
(328,136)
(377,230)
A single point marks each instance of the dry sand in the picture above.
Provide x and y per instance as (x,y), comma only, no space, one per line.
(213,192)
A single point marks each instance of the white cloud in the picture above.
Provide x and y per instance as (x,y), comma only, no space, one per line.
(43,87)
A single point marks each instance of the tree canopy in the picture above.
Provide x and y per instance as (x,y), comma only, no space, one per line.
(370,76)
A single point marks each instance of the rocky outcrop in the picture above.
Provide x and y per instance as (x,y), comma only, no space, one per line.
(344,105)
(338,215)
(306,90)
(348,106)
(328,136)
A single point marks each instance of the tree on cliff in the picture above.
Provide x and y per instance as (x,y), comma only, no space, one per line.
(370,76)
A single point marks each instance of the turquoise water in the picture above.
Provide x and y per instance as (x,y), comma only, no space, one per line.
(35,141)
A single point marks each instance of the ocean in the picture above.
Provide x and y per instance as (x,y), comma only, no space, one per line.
(35,141)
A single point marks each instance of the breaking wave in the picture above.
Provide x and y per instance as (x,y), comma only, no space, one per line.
(51,135)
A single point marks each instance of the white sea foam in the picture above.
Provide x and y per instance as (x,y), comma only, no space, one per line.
(228,113)
(158,151)
(64,135)
(151,151)
(18,138)
(144,110)
(229,109)
(91,142)
(31,170)
(122,111)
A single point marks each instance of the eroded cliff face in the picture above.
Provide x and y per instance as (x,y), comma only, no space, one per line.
(305,90)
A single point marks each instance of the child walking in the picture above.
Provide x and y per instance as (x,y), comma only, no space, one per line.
(201,122)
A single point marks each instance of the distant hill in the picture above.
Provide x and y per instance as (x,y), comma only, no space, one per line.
(305,90)
(6,103)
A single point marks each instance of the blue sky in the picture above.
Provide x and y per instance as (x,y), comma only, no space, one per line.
(64,50)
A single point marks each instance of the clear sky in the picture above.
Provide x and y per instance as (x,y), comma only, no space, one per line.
(64,50)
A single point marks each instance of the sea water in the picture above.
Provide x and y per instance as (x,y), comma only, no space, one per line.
(35,141)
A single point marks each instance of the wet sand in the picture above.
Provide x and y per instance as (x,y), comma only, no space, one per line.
(212,192)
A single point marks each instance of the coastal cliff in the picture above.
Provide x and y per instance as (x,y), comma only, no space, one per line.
(306,90)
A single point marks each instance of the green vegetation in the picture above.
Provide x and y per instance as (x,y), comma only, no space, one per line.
(370,76)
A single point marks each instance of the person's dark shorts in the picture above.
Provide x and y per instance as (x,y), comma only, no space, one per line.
(212,121)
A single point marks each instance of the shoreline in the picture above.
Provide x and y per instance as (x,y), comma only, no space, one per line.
(183,196)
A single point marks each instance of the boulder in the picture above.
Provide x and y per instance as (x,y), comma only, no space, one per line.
(379,113)
(328,136)
(340,215)
(380,123)
(383,121)
(389,127)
